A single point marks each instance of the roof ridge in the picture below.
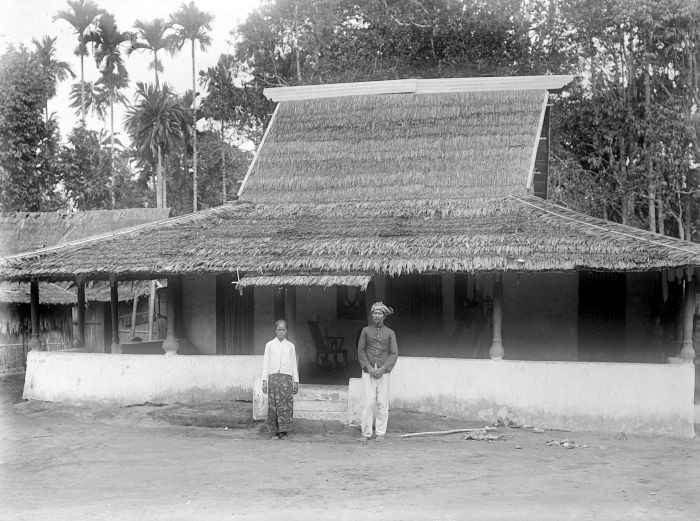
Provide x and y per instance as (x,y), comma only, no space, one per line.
(418,86)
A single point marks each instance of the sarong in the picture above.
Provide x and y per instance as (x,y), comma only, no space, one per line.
(280,402)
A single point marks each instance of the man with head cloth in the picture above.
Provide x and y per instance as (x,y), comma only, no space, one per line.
(377,352)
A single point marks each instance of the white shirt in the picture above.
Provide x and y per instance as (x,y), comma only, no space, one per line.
(280,357)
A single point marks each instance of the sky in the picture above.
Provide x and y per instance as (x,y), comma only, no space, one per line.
(23,20)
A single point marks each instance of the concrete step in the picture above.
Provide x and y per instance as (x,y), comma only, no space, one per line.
(312,402)
(340,416)
(322,392)
(320,405)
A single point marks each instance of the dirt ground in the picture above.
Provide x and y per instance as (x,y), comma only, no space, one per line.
(211,462)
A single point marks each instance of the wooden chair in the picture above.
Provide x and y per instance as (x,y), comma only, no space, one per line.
(329,349)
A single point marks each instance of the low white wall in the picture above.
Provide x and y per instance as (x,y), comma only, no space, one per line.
(134,379)
(634,398)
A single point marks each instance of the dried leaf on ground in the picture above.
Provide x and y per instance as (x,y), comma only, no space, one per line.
(569,444)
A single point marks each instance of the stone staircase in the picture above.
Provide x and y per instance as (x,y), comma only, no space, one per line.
(322,402)
(312,402)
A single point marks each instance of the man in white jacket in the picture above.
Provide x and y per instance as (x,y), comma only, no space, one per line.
(280,381)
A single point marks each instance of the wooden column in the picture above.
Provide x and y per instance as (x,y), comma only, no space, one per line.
(448,303)
(171,344)
(34,341)
(134,309)
(290,306)
(687,352)
(496,352)
(151,308)
(114,308)
(379,289)
(79,341)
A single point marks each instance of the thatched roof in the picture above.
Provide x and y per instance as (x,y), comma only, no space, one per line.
(99,291)
(518,233)
(398,146)
(378,184)
(67,293)
(49,293)
(324,281)
(29,231)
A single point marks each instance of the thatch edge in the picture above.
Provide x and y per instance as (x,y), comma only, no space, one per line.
(610,229)
(538,136)
(322,280)
(257,152)
(138,229)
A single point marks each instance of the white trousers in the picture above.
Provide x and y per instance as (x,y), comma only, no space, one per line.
(376,400)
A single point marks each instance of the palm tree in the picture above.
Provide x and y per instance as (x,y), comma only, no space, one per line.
(94,97)
(108,41)
(152,36)
(81,16)
(193,25)
(54,70)
(156,126)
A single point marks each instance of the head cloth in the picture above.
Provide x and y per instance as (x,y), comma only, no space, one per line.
(380,306)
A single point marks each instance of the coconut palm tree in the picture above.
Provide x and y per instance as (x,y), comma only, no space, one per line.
(81,16)
(54,70)
(153,37)
(108,42)
(193,25)
(95,98)
(155,124)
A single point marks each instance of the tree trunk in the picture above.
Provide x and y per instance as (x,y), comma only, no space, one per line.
(679,222)
(163,180)
(82,89)
(296,43)
(647,156)
(111,151)
(194,138)
(155,67)
(651,198)
(660,217)
(223,164)
(159,182)
(687,219)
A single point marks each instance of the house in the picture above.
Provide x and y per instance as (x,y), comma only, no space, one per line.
(57,312)
(431,196)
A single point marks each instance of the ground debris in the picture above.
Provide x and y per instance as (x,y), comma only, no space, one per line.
(441,433)
(484,435)
(569,444)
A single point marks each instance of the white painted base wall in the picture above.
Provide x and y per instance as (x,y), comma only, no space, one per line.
(605,397)
(134,379)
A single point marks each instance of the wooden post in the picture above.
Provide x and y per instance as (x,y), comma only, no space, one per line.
(379,288)
(687,352)
(290,307)
(134,308)
(151,308)
(79,341)
(34,341)
(448,303)
(171,344)
(496,352)
(114,308)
